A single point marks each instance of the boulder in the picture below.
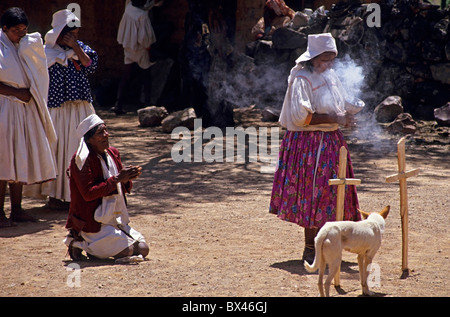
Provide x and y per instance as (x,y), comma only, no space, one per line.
(442,115)
(403,124)
(151,116)
(286,38)
(441,72)
(388,109)
(183,118)
(270,114)
(300,19)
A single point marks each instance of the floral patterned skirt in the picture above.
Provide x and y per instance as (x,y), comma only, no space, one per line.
(300,193)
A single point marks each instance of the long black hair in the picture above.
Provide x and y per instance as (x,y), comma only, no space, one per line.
(13,16)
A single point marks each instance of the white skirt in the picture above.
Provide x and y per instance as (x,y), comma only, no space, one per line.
(108,242)
(25,153)
(65,120)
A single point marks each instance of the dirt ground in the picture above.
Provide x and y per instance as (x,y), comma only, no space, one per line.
(210,233)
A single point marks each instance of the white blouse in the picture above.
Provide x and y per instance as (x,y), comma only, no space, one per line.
(310,93)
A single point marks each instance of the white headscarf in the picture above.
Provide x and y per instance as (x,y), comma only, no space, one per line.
(84,126)
(317,44)
(54,52)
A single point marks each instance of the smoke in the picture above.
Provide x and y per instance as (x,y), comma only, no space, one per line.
(353,77)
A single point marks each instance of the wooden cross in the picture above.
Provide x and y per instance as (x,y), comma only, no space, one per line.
(341,181)
(401,177)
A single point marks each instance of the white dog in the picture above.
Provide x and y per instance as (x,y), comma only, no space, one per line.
(362,237)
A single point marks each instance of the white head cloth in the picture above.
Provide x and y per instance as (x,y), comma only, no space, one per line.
(55,53)
(60,19)
(317,44)
(84,126)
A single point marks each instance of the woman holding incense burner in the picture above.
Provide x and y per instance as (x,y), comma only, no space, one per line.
(314,107)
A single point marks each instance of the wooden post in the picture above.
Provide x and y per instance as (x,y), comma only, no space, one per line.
(401,177)
(340,182)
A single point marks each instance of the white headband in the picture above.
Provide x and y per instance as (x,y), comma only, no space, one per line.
(83,151)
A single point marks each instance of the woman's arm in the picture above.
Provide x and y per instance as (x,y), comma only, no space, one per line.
(90,183)
(21,93)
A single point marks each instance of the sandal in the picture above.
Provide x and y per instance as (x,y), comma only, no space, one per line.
(75,253)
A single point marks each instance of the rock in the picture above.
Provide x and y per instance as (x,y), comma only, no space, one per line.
(388,109)
(151,116)
(440,29)
(263,53)
(441,72)
(442,115)
(286,38)
(183,118)
(403,124)
(432,51)
(270,114)
(300,19)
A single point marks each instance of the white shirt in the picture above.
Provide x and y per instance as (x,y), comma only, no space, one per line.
(310,93)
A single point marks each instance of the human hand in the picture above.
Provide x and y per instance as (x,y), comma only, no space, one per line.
(69,40)
(129,173)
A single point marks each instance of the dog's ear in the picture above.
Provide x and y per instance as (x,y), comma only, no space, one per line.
(363,214)
(384,213)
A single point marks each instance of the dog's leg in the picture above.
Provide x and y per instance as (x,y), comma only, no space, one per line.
(333,268)
(337,275)
(367,260)
(362,275)
(322,267)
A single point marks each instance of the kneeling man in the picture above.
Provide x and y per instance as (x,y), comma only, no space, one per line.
(98,217)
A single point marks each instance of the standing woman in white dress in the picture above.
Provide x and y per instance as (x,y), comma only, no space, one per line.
(27,136)
(136,35)
(69,62)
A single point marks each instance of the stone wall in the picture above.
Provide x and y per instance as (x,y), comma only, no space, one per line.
(408,55)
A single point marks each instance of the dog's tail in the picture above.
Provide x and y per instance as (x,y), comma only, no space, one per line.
(318,242)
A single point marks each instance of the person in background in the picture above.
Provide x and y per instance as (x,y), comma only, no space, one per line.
(27,135)
(98,216)
(314,107)
(136,35)
(69,62)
